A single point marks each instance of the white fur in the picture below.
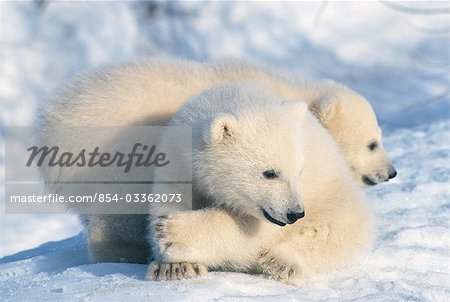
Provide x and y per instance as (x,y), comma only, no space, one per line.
(234,233)
(234,142)
(150,93)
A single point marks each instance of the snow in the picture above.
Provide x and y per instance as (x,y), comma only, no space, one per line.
(399,61)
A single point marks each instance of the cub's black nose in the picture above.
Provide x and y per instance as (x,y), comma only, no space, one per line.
(294,216)
(392,174)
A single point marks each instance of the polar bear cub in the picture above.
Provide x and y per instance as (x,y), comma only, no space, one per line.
(272,193)
(151,92)
(249,150)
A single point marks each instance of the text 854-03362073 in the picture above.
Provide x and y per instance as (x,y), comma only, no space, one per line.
(142,197)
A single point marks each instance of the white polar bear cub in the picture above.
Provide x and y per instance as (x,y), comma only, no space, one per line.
(259,166)
(239,147)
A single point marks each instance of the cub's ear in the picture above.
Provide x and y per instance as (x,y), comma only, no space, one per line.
(296,108)
(221,129)
(325,108)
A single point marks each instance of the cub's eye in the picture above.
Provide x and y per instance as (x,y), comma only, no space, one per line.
(372,145)
(270,174)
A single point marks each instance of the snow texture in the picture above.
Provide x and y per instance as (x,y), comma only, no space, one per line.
(398,58)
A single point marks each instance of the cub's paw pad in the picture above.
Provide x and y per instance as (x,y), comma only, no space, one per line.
(174,271)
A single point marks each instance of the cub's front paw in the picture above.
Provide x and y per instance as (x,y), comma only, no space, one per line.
(171,237)
(281,270)
(174,271)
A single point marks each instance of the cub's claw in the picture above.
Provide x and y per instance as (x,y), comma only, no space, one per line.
(174,271)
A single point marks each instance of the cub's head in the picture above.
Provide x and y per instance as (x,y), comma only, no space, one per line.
(351,121)
(251,161)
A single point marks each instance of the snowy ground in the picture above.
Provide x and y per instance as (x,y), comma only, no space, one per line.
(398,60)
